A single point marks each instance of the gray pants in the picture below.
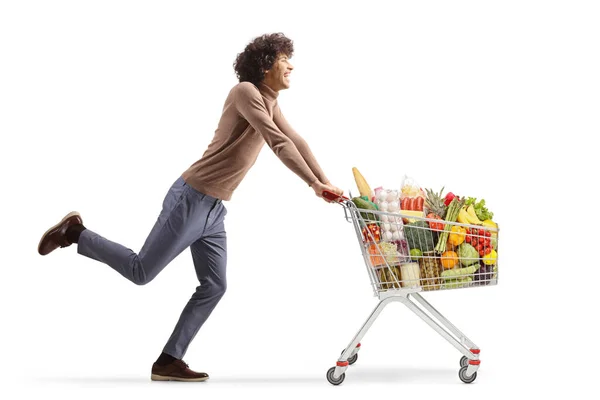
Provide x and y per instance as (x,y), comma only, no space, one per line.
(188,218)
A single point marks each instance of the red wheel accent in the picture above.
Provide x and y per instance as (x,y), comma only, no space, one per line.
(474,362)
(475,351)
(358,345)
(342,363)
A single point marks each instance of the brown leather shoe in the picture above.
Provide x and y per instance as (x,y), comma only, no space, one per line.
(178,370)
(56,237)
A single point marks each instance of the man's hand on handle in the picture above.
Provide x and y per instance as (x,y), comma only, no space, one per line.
(319,187)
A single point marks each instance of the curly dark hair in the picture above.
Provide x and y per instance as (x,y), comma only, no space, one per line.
(260,55)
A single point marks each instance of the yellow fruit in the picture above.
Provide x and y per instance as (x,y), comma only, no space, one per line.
(473,216)
(449,259)
(463,217)
(490,259)
(488,223)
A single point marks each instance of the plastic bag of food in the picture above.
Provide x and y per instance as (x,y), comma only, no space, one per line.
(410,188)
(412,197)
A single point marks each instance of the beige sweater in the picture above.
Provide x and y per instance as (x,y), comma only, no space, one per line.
(251,117)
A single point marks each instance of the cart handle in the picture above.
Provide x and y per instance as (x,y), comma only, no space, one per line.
(334,197)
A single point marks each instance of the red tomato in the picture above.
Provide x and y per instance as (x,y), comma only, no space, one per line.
(468,230)
(481,253)
(487,241)
(488,250)
(468,239)
(488,233)
(478,247)
(481,232)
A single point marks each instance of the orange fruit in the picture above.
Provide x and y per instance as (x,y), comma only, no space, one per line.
(449,259)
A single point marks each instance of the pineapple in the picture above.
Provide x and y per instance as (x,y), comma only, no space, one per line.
(435,203)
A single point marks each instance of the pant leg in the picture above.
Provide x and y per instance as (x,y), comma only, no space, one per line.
(180,223)
(209,254)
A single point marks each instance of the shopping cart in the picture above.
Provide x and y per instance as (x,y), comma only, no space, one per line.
(416,262)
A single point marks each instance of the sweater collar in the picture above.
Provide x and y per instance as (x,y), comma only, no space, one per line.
(266,91)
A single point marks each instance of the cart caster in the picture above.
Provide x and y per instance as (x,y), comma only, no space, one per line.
(464,361)
(462,374)
(333,381)
(352,359)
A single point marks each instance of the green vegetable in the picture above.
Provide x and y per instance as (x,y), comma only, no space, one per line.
(459,272)
(366,205)
(451,216)
(468,254)
(456,283)
(419,236)
(366,198)
(416,254)
(482,212)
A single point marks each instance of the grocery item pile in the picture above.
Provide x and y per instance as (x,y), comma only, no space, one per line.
(422,239)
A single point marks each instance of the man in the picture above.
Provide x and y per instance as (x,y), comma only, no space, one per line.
(193,212)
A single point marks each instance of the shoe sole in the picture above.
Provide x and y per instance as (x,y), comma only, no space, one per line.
(69,215)
(155,377)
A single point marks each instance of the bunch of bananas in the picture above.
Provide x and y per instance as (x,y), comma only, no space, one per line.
(467,215)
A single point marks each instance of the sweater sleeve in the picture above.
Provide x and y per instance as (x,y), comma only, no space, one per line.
(300,144)
(250,105)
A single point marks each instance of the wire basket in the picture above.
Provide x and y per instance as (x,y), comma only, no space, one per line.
(414,260)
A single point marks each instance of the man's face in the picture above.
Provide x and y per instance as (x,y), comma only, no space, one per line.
(278,76)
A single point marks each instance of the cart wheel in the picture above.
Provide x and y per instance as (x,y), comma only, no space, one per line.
(464,362)
(352,359)
(462,374)
(333,381)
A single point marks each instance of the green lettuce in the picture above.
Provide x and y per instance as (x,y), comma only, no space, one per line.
(482,212)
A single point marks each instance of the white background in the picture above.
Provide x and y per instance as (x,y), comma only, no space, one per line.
(104,104)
